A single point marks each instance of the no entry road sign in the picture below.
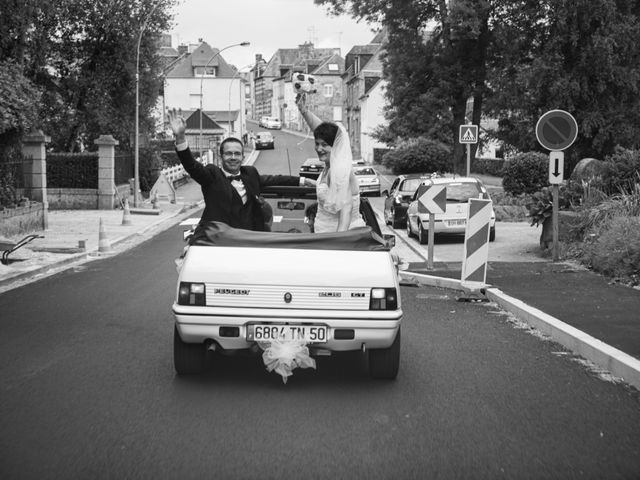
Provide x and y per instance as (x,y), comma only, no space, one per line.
(556,130)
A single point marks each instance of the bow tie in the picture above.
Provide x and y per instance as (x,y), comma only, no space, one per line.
(234,177)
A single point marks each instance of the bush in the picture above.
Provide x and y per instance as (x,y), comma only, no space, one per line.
(615,250)
(623,171)
(150,164)
(488,166)
(526,173)
(419,155)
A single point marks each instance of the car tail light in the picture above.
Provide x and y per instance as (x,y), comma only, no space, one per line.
(383,299)
(191,294)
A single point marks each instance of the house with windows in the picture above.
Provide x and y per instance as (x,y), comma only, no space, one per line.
(279,67)
(364,88)
(326,103)
(210,92)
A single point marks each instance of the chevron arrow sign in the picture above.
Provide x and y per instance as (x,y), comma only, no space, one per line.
(433,200)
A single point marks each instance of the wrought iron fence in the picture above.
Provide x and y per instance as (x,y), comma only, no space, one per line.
(77,170)
(123,167)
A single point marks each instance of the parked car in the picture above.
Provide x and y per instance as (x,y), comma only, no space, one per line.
(346,298)
(264,140)
(398,197)
(454,220)
(311,168)
(270,122)
(368,180)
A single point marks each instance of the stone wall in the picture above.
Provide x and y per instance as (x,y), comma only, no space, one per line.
(82,198)
(22,220)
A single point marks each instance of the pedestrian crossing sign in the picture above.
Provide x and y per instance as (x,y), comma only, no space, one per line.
(468,134)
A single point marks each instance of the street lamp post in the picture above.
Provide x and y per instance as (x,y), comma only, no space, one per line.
(241,44)
(241,106)
(136,167)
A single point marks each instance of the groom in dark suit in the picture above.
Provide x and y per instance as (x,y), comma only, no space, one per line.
(231,193)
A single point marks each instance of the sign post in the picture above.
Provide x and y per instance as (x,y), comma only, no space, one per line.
(432,201)
(468,135)
(556,130)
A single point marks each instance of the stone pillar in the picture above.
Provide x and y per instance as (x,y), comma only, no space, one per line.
(35,170)
(106,179)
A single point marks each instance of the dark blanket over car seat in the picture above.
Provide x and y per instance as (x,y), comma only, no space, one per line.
(221,234)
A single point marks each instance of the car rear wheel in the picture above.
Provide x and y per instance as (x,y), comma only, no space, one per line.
(423,235)
(188,358)
(492,234)
(385,362)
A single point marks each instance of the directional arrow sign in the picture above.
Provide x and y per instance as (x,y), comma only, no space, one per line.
(433,200)
(556,167)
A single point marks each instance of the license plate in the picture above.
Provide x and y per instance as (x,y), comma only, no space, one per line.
(456,223)
(287,333)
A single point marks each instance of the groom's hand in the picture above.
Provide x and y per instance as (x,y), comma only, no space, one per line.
(177,124)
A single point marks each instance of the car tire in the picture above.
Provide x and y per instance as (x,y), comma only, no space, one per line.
(385,362)
(492,234)
(408,225)
(423,235)
(188,358)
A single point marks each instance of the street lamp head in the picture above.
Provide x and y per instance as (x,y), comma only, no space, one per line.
(245,44)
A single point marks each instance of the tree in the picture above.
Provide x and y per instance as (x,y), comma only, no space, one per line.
(516,60)
(81,54)
(581,56)
(435,61)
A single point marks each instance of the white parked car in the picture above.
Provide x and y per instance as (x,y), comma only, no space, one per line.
(270,122)
(368,180)
(454,220)
(335,291)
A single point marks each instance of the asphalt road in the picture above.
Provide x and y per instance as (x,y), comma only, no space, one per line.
(89,391)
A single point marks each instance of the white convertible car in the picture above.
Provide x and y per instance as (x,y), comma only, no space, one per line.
(333,291)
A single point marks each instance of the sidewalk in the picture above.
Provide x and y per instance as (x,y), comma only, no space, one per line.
(575,307)
(67,228)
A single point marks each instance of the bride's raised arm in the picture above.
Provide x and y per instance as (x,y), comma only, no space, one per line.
(312,120)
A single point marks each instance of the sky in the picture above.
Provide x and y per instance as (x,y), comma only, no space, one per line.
(267,24)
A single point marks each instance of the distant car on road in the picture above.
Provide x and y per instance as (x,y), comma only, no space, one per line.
(368,180)
(399,196)
(264,140)
(270,122)
(311,168)
(454,220)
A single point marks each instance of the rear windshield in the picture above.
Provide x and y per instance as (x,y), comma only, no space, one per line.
(364,171)
(410,185)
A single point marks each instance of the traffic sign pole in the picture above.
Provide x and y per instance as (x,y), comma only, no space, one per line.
(432,226)
(554,219)
(556,130)
(468,160)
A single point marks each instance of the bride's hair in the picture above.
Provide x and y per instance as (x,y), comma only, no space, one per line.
(326,131)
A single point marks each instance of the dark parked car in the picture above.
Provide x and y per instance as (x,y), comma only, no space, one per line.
(399,196)
(264,140)
(311,168)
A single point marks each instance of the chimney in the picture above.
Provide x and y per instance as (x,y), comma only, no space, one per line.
(182,49)
(258,58)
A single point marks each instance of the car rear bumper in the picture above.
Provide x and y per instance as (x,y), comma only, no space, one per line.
(372,332)
(369,188)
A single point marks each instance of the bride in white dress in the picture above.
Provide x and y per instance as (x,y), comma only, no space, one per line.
(337,188)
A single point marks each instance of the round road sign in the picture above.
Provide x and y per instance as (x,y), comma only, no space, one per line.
(556,130)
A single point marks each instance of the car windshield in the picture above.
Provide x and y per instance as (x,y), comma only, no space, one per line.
(364,171)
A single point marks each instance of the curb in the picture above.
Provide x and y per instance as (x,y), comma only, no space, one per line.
(605,356)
